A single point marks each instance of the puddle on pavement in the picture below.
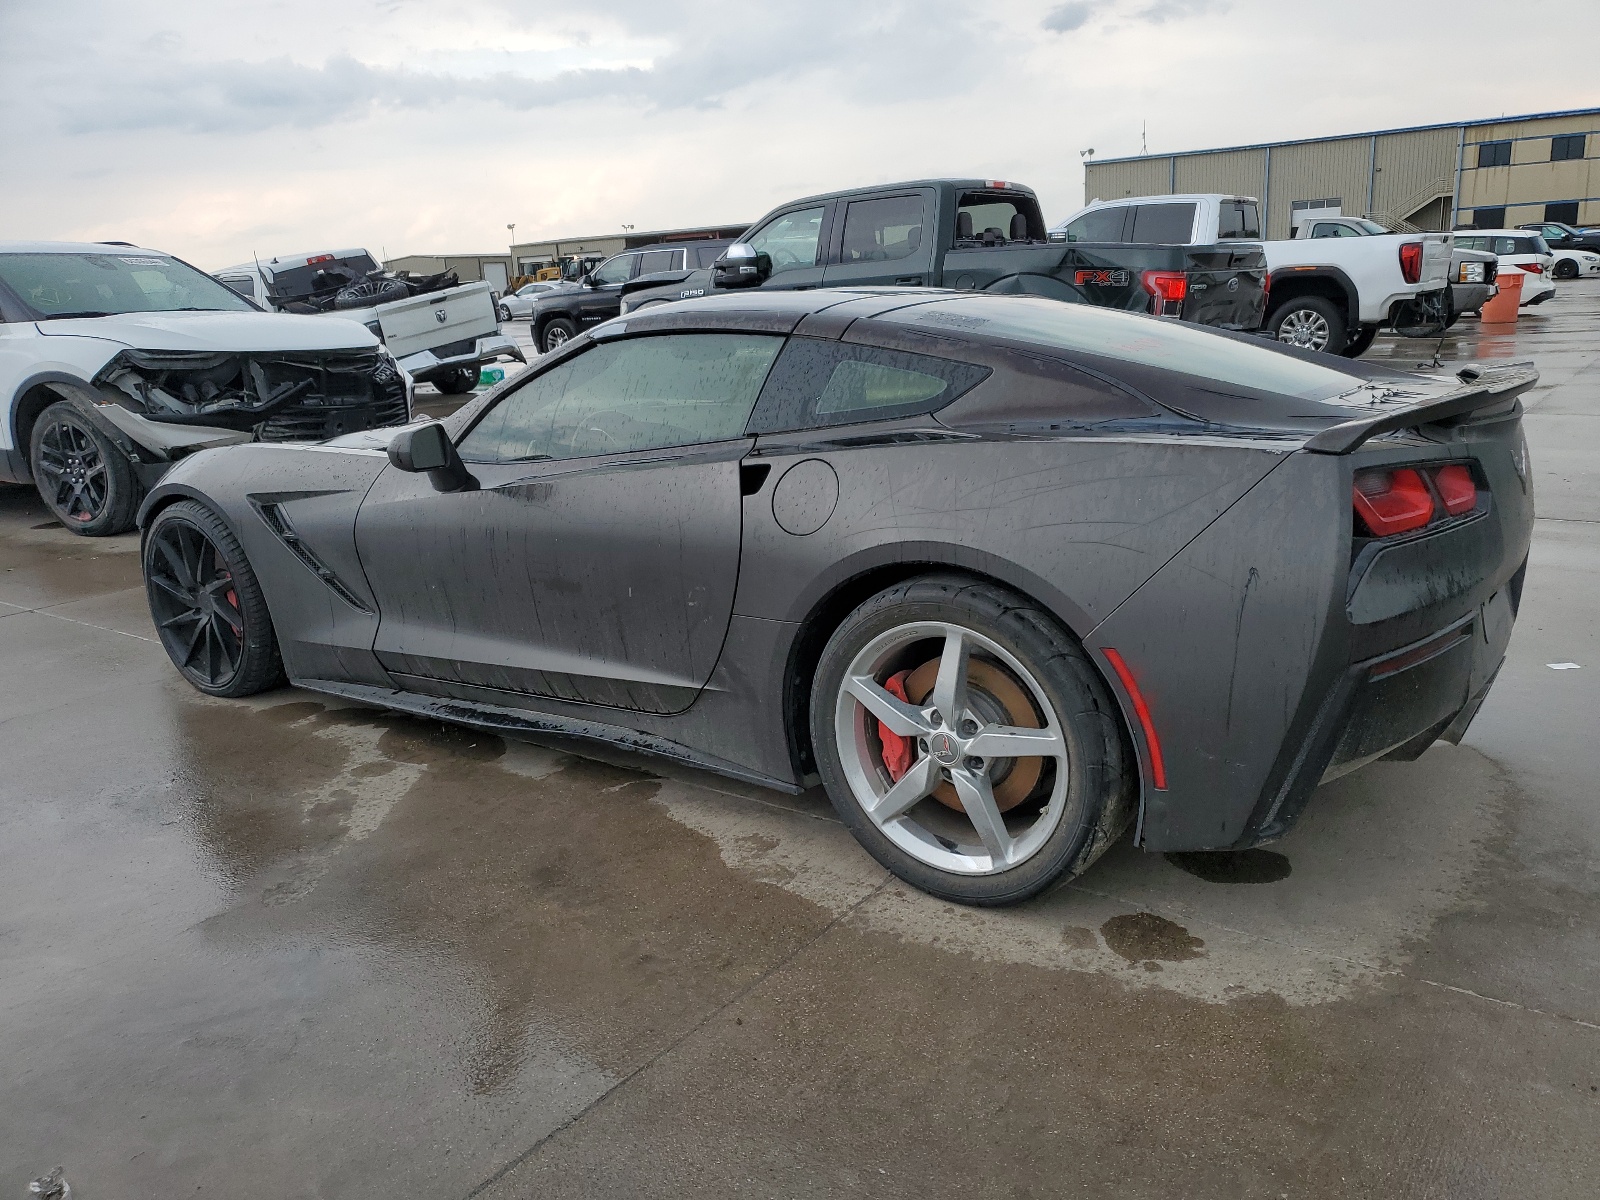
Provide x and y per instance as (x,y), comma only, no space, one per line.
(1234,866)
(1145,937)
(581,915)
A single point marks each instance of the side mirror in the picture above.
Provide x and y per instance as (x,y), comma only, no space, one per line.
(428,448)
(740,266)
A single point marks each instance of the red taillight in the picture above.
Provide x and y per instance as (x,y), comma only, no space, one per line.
(1391,502)
(1411,261)
(1167,290)
(1532,268)
(316,258)
(1456,488)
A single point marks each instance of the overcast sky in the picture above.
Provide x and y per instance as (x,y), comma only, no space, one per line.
(218,130)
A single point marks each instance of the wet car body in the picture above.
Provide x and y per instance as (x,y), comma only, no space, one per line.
(1192,529)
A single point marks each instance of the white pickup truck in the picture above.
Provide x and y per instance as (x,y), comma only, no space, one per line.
(441,332)
(1331,293)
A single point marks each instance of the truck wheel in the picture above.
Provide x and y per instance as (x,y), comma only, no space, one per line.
(557,334)
(1309,322)
(457,382)
(80,473)
(1362,342)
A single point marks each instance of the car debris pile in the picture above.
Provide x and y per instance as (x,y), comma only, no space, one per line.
(328,283)
(278,396)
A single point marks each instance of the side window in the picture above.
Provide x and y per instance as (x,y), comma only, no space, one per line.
(705,256)
(1326,229)
(245,287)
(645,393)
(1101,225)
(1567,146)
(818,383)
(616,270)
(1238,219)
(659,260)
(882,230)
(1489,218)
(1162,224)
(790,240)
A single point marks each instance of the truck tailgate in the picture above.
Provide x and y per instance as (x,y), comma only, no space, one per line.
(1436,254)
(438,319)
(1227,286)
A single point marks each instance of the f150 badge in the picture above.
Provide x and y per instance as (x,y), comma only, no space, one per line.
(1115,278)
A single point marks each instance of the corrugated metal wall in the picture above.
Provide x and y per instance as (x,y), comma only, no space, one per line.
(1315,171)
(1240,172)
(1131,177)
(1413,169)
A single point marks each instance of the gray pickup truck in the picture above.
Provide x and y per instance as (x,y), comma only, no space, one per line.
(973,235)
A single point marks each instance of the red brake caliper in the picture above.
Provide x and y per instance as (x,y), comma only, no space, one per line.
(898,752)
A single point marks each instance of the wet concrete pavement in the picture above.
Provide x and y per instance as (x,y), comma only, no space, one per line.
(287,948)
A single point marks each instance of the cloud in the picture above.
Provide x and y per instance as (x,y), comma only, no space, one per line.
(1177,10)
(1064,18)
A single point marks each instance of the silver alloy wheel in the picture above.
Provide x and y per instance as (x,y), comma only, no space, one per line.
(957,742)
(555,337)
(1305,327)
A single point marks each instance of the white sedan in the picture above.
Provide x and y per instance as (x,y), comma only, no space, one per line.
(1575,264)
(520,302)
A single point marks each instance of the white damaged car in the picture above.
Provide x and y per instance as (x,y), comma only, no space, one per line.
(116,361)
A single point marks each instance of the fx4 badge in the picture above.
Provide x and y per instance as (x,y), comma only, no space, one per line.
(1117,278)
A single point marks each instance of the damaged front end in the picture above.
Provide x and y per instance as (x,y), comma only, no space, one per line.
(274,397)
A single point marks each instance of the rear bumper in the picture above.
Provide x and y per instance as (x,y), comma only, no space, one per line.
(425,363)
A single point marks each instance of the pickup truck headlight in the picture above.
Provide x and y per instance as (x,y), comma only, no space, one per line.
(1471,272)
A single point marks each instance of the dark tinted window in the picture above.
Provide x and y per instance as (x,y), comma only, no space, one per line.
(817,383)
(1489,218)
(645,393)
(1567,146)
(704,256)
(1532,244)
(1162,224)
(659,260)
(245,287)
(1494,154)
(882,230)
(1238,219)
(1565,210)
(331,274)
(1101,225)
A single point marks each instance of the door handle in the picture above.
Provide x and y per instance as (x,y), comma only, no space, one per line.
(909,281)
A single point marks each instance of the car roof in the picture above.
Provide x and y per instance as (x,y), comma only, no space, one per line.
(1494,232)
(42,247)
(964,185)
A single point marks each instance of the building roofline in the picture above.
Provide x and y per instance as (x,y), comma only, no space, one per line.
(1344,137)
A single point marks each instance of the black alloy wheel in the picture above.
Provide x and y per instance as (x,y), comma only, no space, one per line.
(80,473)
(1566,269)
(207,604)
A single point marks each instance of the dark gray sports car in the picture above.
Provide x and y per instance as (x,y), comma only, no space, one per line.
(1006,574)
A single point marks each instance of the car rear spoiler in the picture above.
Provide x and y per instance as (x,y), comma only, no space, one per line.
(1485,387)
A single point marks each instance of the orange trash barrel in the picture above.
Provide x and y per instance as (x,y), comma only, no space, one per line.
(1502,309)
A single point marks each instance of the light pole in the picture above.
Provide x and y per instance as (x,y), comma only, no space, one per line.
(511,228)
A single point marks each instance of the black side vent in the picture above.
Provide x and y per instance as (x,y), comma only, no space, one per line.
(278,521)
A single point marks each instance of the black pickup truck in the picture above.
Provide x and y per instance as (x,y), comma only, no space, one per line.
(974,235)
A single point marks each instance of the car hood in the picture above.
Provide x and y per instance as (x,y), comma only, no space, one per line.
(251,332)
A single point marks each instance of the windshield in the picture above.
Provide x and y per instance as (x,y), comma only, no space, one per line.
(1169,345)
(53,286)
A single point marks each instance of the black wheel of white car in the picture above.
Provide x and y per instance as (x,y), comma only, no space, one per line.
(457,382)
(1310,322)
(967,742)
(1565,269)
(81,475)
(207,604)
(556,334)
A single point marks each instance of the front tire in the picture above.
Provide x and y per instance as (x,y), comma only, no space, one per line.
(1310,322)
(458,382)
(1565,269)
(1005,767)
(83,478)
(556,334)
(207,605)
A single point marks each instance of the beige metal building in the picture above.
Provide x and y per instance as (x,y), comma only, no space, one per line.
(1490,174)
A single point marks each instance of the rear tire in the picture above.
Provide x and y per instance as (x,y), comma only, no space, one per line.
(458,382)
(1310,322)
(556,334)
(83,478)
(1362,342)
(1041,817)
(207,604)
